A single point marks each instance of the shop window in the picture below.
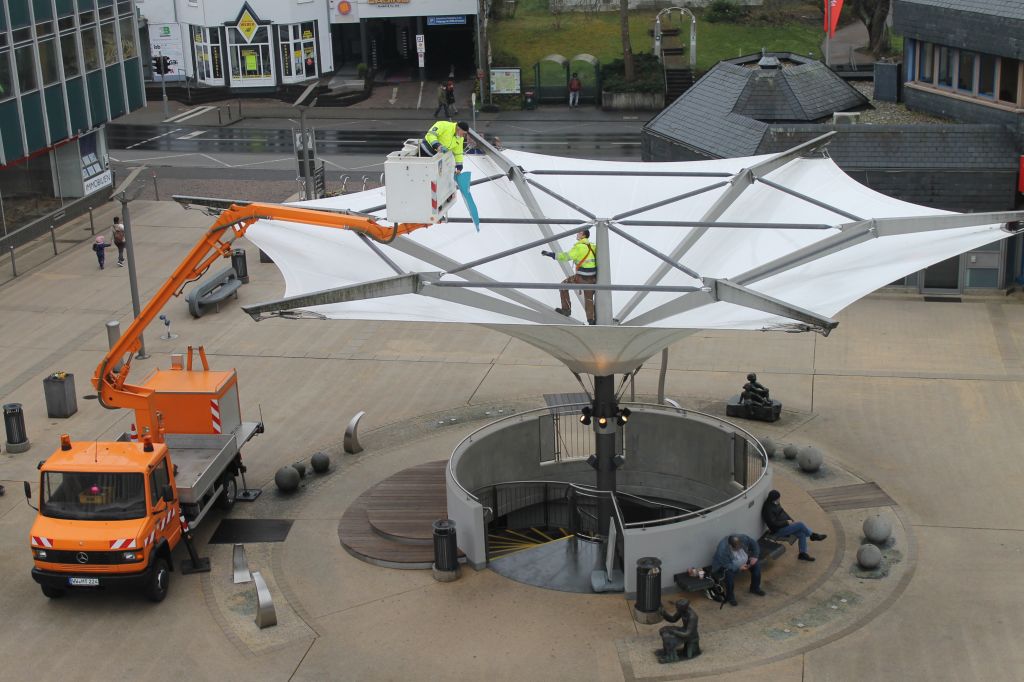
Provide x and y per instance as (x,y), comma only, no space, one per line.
(24,56)
(987,75)
(128,39)
(110,49)
(965,71)
(44,28)
(944,67)
(208,55)
(48,61)
(1009,79)
(252,60)
(924,73)
(65,24)
(6,82)
(982,278)
(90,49)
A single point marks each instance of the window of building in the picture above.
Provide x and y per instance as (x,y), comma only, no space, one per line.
(44,28)
(90,49)
(208,55)
(250,61)
(1009,80)
(24,56)
(69,55)
(298,51)
(987,75)
(48,61)
(944,67)
(128,38)
(6,82)
(927,52)
(965,71)
(66,23)
(110,50)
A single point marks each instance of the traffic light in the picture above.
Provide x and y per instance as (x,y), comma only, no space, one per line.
(162,65)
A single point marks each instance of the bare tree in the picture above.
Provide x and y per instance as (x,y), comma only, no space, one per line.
(627,48)
(873,13)
(557,9)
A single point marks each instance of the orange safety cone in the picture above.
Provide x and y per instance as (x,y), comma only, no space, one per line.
(133,434)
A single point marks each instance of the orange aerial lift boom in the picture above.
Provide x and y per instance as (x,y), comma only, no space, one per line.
(111,376)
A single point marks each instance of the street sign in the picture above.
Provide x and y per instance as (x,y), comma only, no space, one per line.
(420,58)
(421,45)
(319,183)
(456,20)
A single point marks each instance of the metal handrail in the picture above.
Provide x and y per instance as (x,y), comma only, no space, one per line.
(644,407)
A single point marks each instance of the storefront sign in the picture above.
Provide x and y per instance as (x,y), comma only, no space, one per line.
(505,81)
(104,179)
(165,40)
(373,9)
(247,25)
(94,175)
(459,20)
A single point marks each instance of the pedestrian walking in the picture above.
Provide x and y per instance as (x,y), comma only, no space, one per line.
(119,241)
(100,247)
(575,86)
(449,90)
(442,101)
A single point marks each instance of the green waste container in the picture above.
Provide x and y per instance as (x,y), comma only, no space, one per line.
(529,99)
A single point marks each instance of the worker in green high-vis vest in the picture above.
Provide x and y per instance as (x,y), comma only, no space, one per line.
(583,254)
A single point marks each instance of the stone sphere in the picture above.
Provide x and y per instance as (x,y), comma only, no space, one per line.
(877,529)
(869,556)
(301,468)
(769,446)
(810,459)
(287,479)
(790,451)
(320,462)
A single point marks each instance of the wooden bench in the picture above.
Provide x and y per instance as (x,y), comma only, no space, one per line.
(769,547)
(213,291)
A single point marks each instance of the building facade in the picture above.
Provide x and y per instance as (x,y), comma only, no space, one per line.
(964,59)
(261,45)
(66,68)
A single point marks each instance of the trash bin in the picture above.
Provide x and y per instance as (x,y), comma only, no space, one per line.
(14,424)
(648,585)
(239,264)
(59,389)
(446,550)
(529,100)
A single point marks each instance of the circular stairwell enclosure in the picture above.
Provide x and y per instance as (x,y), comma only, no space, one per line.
(716,472)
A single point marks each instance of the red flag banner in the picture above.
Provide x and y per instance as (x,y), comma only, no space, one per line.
(832,10)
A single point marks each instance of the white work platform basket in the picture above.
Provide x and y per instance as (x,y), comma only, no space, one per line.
(419,189)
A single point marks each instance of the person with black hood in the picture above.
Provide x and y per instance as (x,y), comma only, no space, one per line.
(781,525)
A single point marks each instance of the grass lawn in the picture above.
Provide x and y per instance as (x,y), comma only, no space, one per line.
(532,35)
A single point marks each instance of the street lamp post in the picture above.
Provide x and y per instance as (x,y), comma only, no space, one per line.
(133,283)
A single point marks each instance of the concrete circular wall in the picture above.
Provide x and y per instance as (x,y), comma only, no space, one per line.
(671,454)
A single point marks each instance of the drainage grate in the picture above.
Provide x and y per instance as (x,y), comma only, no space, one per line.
(942,299)
(231,531)
(859,496)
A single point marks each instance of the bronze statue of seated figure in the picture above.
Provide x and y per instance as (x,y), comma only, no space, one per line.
(754,402)
(679,638)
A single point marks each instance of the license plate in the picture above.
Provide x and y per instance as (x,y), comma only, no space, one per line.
(84,582)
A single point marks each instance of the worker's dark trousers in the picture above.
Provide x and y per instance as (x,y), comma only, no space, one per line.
(588,294)
(426,149)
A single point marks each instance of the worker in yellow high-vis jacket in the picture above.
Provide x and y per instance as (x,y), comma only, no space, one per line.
(583,254)
(446,135)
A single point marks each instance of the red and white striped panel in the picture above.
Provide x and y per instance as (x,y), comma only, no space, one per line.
(164,520)
(42,542)
(122,543)
(433,195)
(215,415)
(149,539)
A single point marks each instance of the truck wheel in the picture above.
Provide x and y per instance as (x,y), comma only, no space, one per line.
(159,578)
(52,592)
(227,498)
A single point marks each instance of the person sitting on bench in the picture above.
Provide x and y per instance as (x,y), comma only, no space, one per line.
(737,553)
(781,525)
(675,636)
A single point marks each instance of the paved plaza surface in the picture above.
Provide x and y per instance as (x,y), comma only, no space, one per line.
(921,398)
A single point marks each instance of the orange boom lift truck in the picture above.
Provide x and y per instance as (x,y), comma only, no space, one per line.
(111,513)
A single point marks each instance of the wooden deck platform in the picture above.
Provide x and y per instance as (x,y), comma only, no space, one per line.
(391,524)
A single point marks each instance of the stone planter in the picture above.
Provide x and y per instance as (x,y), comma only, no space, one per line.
(632,101)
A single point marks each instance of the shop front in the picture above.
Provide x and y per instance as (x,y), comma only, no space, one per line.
(383,35)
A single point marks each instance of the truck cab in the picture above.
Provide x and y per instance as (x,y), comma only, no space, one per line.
(108,515)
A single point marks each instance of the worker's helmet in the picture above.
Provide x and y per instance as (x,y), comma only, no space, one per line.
(462,125)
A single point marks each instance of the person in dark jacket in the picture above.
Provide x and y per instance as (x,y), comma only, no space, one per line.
(781,525)
(737,553)
(99,246)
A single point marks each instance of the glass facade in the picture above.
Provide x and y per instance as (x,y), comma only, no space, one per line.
(977,75)
(66,67)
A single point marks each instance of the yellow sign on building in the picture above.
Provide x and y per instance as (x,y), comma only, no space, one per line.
(247,26)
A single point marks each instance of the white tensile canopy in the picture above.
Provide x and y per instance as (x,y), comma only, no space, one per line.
(768,242)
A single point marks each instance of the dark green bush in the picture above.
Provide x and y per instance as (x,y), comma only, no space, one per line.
(648,71)
(724,12)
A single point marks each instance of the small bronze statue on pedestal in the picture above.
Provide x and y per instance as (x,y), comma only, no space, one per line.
(683,636)
(754,402)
